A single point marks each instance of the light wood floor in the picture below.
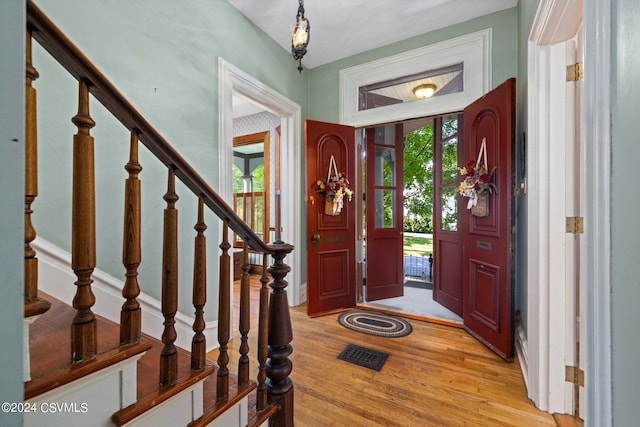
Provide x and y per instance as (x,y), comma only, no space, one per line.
(437,376)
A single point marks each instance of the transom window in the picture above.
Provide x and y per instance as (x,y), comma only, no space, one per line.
(457,71)
(438,82)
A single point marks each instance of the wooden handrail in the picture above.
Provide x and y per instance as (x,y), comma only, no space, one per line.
(45,32)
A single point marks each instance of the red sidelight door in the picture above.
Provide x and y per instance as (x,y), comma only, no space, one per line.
(487,241)
(331,260)
(447,234)
(384,212)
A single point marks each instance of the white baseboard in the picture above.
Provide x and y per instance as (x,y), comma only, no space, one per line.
(521,351)
(56,278)
(303,294)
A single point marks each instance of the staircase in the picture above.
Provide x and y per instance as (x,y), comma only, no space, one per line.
(84,369)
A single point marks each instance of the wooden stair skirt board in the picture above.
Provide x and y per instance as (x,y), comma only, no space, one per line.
(120,385)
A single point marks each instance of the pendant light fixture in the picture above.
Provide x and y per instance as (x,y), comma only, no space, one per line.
(300,35)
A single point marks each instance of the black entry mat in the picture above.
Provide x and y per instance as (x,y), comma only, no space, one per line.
(365,357)
(418,284)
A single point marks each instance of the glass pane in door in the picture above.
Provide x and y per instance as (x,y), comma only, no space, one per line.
(449,207)
(385,208)
(450,161)
(385,169)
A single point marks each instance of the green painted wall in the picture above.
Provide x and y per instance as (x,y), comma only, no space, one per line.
(163,56)
(324,80)
(12,19)
(526,14)
(625,244)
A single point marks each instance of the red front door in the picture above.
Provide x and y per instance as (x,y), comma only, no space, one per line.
(487,241)
(384,211)
(331,262)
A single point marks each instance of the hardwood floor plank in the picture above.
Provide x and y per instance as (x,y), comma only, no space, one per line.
(436,376)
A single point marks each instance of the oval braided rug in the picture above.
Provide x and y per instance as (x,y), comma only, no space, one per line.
(373,323)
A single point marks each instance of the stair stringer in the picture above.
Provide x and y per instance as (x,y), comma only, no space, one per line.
(56,278)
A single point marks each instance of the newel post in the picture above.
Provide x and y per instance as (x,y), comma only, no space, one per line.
(279,385)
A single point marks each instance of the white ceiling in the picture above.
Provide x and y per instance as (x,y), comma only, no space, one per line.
(341,28)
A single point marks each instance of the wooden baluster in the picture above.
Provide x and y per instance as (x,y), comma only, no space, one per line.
(243,362)
(169,355)
(263,336)
(131,316)
(224,294)
(83,232)
(33,304)
(279,385)
(199,342)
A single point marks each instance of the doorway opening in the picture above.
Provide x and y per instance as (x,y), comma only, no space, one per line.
(472,270)
(429,177)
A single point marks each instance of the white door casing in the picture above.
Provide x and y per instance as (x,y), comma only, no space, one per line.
(549,295)
(551,314)
(596,261)
(232,80)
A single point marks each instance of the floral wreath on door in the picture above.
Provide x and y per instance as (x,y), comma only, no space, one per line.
(335,188)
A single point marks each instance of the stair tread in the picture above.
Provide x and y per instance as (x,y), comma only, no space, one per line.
(50,349)
(149,368)
(51,367)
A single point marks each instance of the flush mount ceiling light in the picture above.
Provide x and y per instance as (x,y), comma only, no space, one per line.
(300,35)
(425,91)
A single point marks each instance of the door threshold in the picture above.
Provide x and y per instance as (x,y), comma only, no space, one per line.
(436,320)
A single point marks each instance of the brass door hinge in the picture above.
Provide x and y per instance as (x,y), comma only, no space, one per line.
(574,72)
(575,225)
(574,375)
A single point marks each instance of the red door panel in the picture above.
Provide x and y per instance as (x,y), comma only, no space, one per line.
(484,294)
(447,289)
(384,210)
(487,241)
(331,265)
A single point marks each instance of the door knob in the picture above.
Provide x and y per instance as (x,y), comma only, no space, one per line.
(315,237)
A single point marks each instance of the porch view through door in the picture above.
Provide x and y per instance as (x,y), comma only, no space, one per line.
(431,287)
(403,275)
